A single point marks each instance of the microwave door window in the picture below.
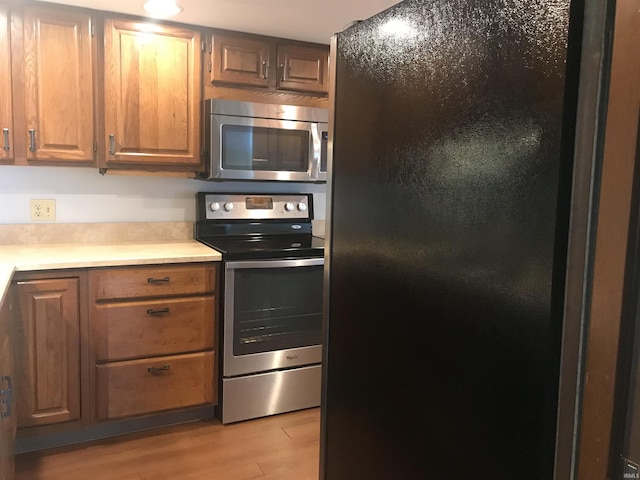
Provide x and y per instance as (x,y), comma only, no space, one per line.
(247,148)
(293,150)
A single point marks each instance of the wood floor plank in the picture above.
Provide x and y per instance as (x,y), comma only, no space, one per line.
(281,447)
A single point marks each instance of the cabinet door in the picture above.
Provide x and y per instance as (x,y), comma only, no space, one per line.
(6,111)
(58,81)
(240,61)
(47,339)
(303,69)
(7,412)
(152,95)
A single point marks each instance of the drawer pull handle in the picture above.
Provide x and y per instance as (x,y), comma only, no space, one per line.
(158,280)
(158,370)
(160,311)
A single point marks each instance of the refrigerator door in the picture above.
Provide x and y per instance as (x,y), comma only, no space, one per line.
(449,189)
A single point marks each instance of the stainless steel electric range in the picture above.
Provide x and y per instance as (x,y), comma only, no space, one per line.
(271,308)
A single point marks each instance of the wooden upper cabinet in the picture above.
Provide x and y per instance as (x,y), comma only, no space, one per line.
(303,69)
(47,340)
(240,61)
(245,60)
(58,85)
(6,109)
(152,96)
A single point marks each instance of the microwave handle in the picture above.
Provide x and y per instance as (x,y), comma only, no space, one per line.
(324,140)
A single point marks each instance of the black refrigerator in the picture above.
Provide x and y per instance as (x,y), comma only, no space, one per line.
(448,214)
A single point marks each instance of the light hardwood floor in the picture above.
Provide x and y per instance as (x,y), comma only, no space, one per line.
(282,447)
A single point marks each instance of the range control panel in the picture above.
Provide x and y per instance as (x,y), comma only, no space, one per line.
(225,206)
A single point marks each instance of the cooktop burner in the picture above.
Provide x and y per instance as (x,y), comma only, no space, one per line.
(257,226)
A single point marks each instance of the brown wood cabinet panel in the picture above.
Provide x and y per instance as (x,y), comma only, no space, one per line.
(160,327)
(240,61)
(6,107)
(152,281)
(143,386)
(8,420)
(48,341)
(152,95)
(58,84)
(303,69)
(285,71)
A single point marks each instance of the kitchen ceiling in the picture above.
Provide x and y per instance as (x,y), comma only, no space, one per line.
(312,21)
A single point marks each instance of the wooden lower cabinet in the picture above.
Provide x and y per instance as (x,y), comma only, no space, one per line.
(145,386)
(47,341)
(100,351)
(153,330)
(7,406)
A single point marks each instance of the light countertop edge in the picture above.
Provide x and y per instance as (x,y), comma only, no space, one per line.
(6,272)
(25,258)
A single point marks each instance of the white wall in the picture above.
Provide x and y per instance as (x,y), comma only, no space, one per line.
(84,196)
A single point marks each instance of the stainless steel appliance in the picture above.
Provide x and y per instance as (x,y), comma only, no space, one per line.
(272,301)
(260,141)
(449,200)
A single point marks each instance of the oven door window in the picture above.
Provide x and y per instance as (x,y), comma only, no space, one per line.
(277,308)
(261,148)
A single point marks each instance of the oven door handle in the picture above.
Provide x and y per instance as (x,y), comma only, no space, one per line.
(295,262)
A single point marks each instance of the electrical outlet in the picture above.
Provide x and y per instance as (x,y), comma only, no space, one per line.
(43,209)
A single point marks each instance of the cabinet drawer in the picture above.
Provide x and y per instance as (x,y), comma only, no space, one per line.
(154,327)
(144,386)
(159,280)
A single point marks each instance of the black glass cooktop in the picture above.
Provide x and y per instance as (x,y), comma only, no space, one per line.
(261,247)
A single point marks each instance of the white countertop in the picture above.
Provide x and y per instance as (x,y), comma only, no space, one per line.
(25,258)
(34,247)
(6,272)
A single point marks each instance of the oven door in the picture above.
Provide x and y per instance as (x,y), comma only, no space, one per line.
(245,148)
(272,315)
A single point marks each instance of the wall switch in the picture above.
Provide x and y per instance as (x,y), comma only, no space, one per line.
(43,209)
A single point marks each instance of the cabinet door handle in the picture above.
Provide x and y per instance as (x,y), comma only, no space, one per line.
(32,140)
(5,132)
(158,280)
(158,370)
(5,397)
(265,70)
(161,311)
(112,144)
(282,68)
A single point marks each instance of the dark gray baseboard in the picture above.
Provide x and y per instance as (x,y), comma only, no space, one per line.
(29,443)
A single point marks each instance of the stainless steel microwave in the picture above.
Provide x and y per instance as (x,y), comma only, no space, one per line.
(261,141)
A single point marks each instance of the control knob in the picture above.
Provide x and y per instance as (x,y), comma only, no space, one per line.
(302,206)
(228,206)
(288,206)
(214,206)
